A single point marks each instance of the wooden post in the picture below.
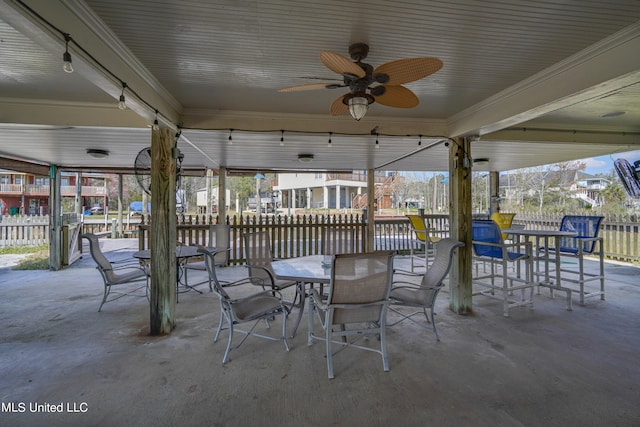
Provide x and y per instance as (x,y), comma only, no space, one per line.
(120,204)
(78,200)
(163,232)
(371,226)
(494,185)
(222,194)
(460,225)
(55,219)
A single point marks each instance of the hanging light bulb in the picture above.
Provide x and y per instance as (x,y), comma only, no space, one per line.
(282,139)
(66,56)
(329,143)
(377,143)
(121,102)
(155,122)
(420,141)
(230,138)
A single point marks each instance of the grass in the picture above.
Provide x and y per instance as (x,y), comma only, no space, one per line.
(37,258)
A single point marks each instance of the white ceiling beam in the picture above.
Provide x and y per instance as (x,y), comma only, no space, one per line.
(58,113)
(88,31)
(604,67)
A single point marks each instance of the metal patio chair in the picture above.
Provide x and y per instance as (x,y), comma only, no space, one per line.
(219,237)
(117,275)
(423,238)
(423,296)
(504,220)
(356,304)
(490,248)
(263,305)
(586,243)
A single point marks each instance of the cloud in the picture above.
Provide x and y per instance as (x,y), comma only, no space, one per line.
(596,163)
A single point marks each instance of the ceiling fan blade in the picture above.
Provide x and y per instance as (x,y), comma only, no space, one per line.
(408,70)
(310,86)
(341,65)
(397,96)
(338,107)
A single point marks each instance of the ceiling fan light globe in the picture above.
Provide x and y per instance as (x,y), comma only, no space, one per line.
(358,107)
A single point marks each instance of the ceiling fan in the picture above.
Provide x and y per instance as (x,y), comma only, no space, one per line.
(368,85)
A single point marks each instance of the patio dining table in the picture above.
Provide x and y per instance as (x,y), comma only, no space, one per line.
(183,253)
(546,235)
(305,269)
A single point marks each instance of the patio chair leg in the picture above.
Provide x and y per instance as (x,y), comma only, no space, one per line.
(104,297)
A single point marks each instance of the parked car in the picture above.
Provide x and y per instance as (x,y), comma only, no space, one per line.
(96,210)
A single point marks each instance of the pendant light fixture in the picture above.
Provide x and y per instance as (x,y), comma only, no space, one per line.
(66,56)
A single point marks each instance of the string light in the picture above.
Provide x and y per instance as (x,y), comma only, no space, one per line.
(68,65)
(420,141)
(66,56)
(282,139)
(377,143)
(121,103)
(329,143)
(230,138)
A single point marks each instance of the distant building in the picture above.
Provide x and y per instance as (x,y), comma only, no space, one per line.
(332,190)
(201,199)
(28,194)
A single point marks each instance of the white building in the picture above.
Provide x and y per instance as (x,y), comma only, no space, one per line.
(201,199)
(322,190)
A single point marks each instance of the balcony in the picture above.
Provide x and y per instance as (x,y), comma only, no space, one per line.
(43,190)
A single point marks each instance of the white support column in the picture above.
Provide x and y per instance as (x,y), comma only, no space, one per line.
(293,198)
(208,209)
(308,198)
(325,197)
(337,196)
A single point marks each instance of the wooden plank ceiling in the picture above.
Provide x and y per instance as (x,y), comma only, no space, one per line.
(536,81)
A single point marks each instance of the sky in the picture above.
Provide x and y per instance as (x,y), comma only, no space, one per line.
(604,164)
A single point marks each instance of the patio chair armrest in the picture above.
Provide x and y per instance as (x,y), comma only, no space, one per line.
(405,285)
(318,300)
(269,292)
(250,280)
(407,273)
(366,305)
(588,239)
(479,242)
(416,287)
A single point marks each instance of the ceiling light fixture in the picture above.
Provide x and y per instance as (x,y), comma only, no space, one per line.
(121,102)
(614,114)
(66,56)
(481,161)
(97,153)
(230,138)
(282,139)
(305,158)
(358,104)
(329,143)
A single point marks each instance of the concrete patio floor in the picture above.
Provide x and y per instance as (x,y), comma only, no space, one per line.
(539,367)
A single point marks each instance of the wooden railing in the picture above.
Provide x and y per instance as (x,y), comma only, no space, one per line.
(620,233)
(290,236)
(300,235)
(24,230)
